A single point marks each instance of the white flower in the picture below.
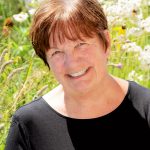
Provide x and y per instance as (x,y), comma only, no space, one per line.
(131,47)
(20,17)
(32,11)
(32,1)
(123,8)
(144,58)
(115,20)
(28,1)
(147,48)
(134,31)
(133,76)
(145,24)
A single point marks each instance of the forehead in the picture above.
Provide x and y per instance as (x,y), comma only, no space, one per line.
(62,45)
(56,42)
(58,39)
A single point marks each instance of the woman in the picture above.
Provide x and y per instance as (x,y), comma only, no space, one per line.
(90,109)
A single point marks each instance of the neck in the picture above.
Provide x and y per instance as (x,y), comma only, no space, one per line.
(97,102)
(89,98)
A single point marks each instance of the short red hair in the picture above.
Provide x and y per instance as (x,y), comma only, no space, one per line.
(66,19)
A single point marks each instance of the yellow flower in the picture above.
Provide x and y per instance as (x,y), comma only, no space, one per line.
(122,30)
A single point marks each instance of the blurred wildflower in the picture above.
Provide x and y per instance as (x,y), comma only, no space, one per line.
(131,47)
(32,11)
(144,58)
(122,30)
(112,20)
(145,24)
(134,31)
(131,75)
(20,17)
(8,24)
(147,48)
(32,1)
(119,65)
(135,76)
(117,44)
(123,8)
(2,125)
(134,12)
(28,1)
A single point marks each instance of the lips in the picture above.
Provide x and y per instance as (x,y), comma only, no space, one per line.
(78,73)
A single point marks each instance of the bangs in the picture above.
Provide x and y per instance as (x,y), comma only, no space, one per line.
(72,29)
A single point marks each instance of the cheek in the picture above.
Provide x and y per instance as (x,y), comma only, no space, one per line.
(97,57)
(88,54)
(91,55)
(56,67)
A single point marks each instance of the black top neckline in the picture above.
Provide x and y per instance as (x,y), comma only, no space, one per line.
(116,110)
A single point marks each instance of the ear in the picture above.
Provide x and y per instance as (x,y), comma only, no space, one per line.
(107,36)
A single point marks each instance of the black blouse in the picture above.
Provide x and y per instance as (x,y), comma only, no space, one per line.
(37,126)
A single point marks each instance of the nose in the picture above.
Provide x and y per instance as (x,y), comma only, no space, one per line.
(71,60)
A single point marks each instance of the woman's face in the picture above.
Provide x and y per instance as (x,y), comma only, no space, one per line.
(79,66)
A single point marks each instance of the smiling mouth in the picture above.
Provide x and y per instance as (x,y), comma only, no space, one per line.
(78,74)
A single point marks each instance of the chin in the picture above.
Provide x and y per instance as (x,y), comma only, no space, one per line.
(82,88)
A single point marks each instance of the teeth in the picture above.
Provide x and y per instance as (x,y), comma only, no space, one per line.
(78,73)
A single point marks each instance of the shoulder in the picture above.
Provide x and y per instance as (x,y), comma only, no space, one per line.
(30,110)
(139,92)
(140,98)
(39,109)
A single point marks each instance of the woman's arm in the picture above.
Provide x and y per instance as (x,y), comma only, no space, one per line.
(140,97)
(17,138)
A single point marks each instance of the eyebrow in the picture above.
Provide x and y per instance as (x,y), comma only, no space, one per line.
(54,47)
(78,41)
